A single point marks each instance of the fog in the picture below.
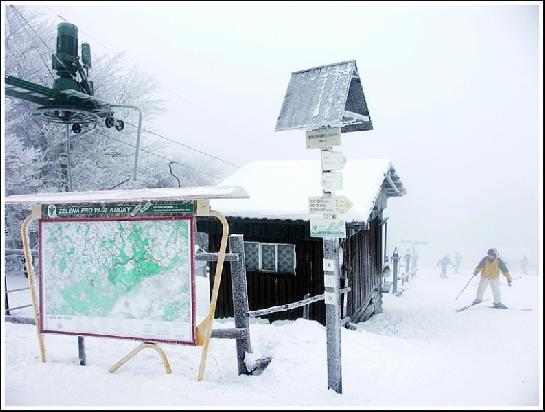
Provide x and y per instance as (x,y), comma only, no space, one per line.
(453,93)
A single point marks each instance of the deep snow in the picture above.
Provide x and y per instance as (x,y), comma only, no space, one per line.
(419,351)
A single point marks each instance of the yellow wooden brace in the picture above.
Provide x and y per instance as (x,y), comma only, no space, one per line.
(204,330)
(140,347)
(28,264)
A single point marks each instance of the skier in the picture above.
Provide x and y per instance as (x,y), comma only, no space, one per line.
(457,261)
(490,267)
(444,262)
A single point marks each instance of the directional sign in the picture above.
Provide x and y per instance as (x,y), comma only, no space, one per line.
(329,204)
(323,138)
(327,228)
(332,181)
(330,298)
(332,160)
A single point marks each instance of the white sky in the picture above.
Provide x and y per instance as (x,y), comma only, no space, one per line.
(453,92)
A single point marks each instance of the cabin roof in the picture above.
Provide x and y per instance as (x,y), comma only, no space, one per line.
(280,189)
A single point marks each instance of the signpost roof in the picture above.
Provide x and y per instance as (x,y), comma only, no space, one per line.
(330,95)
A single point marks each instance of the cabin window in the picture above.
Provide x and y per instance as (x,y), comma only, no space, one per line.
(270,257)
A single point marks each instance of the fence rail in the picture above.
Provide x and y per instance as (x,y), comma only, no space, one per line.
(289,306)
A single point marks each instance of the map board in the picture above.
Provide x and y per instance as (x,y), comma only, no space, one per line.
(118,270)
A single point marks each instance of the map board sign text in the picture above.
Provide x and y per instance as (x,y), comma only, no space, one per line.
(118,276)
(52,211)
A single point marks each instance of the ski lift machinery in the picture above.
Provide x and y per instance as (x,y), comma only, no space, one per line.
(71,101)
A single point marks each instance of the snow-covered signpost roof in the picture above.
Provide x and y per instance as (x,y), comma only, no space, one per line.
(329,95)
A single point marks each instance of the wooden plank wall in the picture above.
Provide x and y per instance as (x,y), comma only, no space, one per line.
(272,289)
(362,259)
(363,264)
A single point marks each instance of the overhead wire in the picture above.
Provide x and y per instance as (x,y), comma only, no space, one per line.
(158,155)
(184,145)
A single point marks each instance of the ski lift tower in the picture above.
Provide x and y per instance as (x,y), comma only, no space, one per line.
(71,101)
(326,101)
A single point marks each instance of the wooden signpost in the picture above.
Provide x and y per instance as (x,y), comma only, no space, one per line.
(327,220)
(325,101)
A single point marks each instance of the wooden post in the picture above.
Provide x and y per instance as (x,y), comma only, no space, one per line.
(6,303)
(306,308)
(81,351)
(240,300)
(407,265)
(333,316)
(395,262)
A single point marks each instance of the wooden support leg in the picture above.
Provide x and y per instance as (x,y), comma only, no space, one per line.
(28,263)
(205,332)
(140,347)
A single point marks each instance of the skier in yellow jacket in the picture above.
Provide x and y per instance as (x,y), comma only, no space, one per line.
(490,267)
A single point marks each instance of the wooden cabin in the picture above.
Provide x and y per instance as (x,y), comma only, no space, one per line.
(283,262)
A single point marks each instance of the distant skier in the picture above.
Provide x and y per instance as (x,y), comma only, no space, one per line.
(444,262)
(524,265)
(490,267)
(457,261)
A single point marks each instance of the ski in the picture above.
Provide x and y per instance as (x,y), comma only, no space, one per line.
(470,305)
(525,309)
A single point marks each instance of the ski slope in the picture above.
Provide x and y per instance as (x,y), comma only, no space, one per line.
(418,352)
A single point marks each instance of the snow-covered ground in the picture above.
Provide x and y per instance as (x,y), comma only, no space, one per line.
(420,351)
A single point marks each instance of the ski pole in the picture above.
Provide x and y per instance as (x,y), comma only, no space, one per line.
(464,287)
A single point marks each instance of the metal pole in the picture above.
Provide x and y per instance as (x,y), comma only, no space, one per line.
(464,287)
(81,342)
(68,166)
(240,300)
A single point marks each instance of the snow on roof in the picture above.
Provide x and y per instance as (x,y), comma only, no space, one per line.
(280,189)
(112,196)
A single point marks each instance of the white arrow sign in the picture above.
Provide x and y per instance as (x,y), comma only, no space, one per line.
(332,160)
(323,138)
(329,204)
(332,181)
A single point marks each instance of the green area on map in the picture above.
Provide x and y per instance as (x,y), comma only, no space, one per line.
(118,269)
